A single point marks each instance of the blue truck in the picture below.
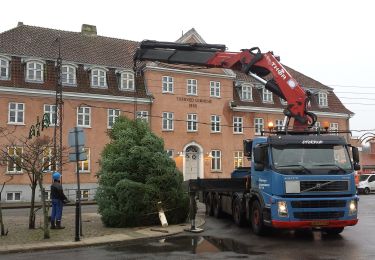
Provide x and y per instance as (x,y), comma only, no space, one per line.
(294,182)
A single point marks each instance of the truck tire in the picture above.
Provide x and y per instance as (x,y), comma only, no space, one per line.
(216,206)
(256,219)
(333,231)
(209,206)
(237,213)
(366,191)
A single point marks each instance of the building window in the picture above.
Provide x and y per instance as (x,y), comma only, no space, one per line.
(259,125)
(246,93)
(16,113)
(34,71)
(50,110)
(127,81)
(279,125)
(84,166)
(113,114)
(170,153)
(4,68)
(216,160)
(322,99)
(49,165)
(214,89)
(98,78)
(167,84)
(68,75)
(283,102)
(267,96)
(237,125)
(84,116)
(192,87)
(84,194)
(143,115)
(215,124)
(238,159)
(168,121)
(334,127)
(14,161)
(192,122)
(13,196)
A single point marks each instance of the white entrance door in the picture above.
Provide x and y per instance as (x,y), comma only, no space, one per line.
(191,163)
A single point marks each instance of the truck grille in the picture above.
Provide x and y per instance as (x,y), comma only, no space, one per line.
(319,204)
(323,186)
(319,215)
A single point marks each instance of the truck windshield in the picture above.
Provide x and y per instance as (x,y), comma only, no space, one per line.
(311,159)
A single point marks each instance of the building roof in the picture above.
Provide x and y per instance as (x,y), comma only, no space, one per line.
(32,41)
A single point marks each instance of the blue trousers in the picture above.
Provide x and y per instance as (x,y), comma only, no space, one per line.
(57,207)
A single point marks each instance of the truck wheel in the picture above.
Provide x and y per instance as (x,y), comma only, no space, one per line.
(216,206)
(366,191)
(237,213)
(209,206)
(256,219)
(333,231)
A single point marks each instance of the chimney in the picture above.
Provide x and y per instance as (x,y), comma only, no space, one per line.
(19,24)
(88,29)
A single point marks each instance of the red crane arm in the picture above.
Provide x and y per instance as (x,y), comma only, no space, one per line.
(251,61)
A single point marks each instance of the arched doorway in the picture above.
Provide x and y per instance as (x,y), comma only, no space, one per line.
(192,162)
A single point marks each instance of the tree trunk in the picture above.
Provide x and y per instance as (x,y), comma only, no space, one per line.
(44,209)
(32,207)
(1,219)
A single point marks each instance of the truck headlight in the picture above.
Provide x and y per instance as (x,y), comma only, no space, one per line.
(282,208)
(352,207)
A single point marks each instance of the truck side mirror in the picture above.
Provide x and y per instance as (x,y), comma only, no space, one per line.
(259,158)
(247,147)
(355,154)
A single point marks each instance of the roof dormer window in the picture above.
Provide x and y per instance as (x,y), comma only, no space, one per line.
(4,68)
(99,78)
(35,71)
(68,75)
(323,99)
(127,81)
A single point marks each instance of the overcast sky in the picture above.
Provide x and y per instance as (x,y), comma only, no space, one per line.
(331,41)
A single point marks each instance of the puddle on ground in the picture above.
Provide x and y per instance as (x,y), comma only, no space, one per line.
(192,244)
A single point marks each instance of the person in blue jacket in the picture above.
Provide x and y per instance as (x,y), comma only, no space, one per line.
(58,199)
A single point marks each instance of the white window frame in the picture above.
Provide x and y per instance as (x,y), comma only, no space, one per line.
(13,195)
(334,127)
(5,67)
(246,92)
(238,159)
(170,153)
(101,75)
(143,115)
(317,126)
(14,169)
(48,155)
(16,111)
(32,71)
(86,112)
(323,99)
(70,78)
(267,96)
(216,160)
(127,82)
(215,124)
(52,112)
(258,125)
(238,125)
(168,121)
(215,87)
(192,122)
(279,124)
(167,84)
(112,114)
(191,87)
(81,164)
